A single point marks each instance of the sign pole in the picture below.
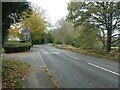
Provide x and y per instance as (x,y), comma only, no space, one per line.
(26,36)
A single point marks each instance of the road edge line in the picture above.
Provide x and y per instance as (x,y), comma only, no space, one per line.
(104,69)
(42,60)
(54,81)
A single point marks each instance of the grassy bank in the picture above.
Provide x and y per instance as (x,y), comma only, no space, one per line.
(13,73)
(99,54)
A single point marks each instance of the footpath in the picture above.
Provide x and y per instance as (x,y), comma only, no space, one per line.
(38,77)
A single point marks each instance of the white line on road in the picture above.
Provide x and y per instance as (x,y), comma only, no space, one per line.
(104,69)
(55,82)
(42,60)
(45,52)
(71,56)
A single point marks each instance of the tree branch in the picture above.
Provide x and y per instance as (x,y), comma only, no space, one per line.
(118,40)
(115,35)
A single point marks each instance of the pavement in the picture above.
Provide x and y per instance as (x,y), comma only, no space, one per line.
(71,70)
(38,77)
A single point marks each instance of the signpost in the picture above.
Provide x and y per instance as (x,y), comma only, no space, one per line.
(26,35)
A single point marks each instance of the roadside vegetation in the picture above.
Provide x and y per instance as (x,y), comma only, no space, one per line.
(82,40)
(94,53)
(33,17)
(13,73)
(15,17)
(91,28)
(16,46)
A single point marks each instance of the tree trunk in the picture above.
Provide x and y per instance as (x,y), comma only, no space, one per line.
(118,43)
(108,46)
(5,28)
(109,32)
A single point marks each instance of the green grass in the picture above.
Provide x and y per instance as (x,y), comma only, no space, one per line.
(13,73)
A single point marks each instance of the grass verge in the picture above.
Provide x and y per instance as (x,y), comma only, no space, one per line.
(13,73)
(98,54)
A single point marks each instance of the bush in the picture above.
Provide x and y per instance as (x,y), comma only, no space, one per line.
(57,41)
(16,46)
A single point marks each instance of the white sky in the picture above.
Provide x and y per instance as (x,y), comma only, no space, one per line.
(55,9)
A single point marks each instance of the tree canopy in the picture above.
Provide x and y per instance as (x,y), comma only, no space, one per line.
(103,15)
(63,31)
(12,12)
(37,25)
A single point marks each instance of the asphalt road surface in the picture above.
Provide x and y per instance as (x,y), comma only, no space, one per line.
(73,70)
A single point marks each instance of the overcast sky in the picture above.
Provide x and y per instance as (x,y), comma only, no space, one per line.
(55,9)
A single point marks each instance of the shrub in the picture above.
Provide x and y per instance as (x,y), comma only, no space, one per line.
(16,46)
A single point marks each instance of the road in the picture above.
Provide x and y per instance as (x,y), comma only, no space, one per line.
(71,70)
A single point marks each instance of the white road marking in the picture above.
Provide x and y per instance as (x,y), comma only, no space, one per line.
(42,60)
(56,53)
(45,52)
(104,69)
(71,56)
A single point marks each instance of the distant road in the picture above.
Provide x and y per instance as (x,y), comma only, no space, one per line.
(73,70)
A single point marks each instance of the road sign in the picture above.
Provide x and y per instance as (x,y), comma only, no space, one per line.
(27,29)
(27,33)
(27,36)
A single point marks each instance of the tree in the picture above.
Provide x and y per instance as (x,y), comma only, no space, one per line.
(103,15)
(37,26)
(12,12)
(36,22)
(62,31)
(88,36)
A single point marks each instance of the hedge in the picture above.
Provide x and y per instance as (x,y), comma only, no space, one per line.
(16,46)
